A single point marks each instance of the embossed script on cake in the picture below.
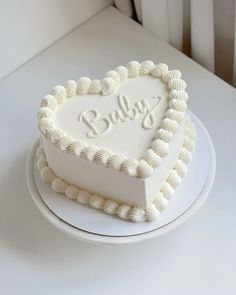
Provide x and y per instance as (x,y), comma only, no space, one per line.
(125,112)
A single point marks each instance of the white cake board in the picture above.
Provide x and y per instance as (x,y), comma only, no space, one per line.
(91,225)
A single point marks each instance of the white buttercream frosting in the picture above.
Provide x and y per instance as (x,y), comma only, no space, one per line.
(41,163)
(95,86)
(177,84)
(146,67)
(137,214)
(59,185)
(123,72)
(133,69)
(46,112)
(40,152)
(175,115)
(108,86)
(163,135)
(88,153)
(71,87)
(169,125)
(160,147)
(144,169)
(83,196)
(180,168)
(156,72)
(159,70)
(129,166)
(46,124)
(49,101)
(170,75)
(167,190)
(178,105)
(114,75)
(185,156)
(71,192)
(96,201)
(152,213)
(181,95)
(152,158)
(64,143)
(102,156)
(115,161)
(83,85)
(55,134)
(164,68)
(47,174)
(191,133)
(188,143)
(123,211)
(174,179)
(76,148)
(59,92)
(110,206)
(160,202)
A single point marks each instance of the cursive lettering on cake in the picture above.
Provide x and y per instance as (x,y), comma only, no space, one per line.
(101,124)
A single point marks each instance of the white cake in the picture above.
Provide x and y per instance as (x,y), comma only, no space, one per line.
(120,144)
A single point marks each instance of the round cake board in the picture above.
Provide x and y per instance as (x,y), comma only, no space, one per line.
(92,225)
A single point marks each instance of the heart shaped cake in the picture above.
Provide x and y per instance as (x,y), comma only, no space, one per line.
(120,144)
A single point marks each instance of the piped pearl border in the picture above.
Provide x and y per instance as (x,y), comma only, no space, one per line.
(109,206)
(159,147)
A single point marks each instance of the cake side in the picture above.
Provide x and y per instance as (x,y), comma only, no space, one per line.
(109,206)
(92,176)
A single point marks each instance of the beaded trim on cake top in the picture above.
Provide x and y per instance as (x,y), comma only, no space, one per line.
(159,147)
(110,206)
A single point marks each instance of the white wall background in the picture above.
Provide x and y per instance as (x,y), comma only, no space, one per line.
(29,26)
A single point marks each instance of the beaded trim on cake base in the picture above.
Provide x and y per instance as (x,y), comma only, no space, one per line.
(110,206)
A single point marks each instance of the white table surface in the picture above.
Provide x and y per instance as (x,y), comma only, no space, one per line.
(35,258)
